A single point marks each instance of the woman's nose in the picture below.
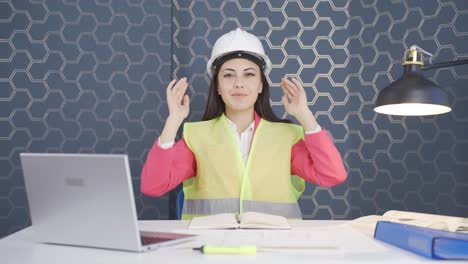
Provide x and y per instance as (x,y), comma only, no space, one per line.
(239,83)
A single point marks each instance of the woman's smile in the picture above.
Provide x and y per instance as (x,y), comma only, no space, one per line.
(239,95)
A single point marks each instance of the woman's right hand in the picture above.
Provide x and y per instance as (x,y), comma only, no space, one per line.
(177,101)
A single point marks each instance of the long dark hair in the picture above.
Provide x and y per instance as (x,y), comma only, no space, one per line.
(215,105)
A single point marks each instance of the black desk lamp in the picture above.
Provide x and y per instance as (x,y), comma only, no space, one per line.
(413,94)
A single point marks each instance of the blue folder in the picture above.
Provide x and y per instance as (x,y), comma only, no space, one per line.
(431,243)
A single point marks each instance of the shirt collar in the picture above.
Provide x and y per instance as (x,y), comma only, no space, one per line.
(253,126)
(234,126)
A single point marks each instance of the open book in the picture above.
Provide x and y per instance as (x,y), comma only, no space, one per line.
(440,222)
(245,220)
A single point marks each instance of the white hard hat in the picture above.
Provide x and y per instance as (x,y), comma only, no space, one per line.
(241,41)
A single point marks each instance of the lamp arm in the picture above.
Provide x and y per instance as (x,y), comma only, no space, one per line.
(444,64)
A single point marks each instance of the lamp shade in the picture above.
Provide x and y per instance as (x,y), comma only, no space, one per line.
(412,95)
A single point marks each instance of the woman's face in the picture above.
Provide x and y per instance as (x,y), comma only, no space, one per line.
(239,83)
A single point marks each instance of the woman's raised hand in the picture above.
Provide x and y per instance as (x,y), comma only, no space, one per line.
(295,103)
(294,98)
(177,101)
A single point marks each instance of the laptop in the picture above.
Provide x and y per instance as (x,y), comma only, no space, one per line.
(87,200)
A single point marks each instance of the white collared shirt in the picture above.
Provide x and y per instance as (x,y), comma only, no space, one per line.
(243,139)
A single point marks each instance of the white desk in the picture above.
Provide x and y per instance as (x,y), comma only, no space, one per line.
(20,248)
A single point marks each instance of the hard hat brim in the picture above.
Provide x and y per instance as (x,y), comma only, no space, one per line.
(209,66)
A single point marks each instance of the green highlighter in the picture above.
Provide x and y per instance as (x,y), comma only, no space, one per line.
(234,250)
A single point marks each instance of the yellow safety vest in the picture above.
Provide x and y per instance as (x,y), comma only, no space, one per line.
(224,184)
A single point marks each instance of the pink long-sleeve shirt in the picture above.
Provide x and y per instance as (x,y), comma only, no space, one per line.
(315,159)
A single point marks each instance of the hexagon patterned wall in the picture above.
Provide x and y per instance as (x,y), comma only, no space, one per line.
(89,76)
(80,77)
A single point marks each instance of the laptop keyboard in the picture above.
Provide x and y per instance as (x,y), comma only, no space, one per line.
(147,240)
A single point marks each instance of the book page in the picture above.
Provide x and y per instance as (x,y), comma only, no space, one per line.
(441,222)
(366,224)
(261,220)
(217,221)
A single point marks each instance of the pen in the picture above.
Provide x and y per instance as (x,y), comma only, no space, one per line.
(238,250)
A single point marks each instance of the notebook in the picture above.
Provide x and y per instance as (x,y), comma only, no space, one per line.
(87,200)
(431,243)
(252,220)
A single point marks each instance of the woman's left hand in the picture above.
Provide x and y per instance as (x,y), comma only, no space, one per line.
(294,98)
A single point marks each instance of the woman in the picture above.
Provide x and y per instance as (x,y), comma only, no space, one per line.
(241,157)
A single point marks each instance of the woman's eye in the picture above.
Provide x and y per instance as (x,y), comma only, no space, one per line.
(227,75)
(250,74)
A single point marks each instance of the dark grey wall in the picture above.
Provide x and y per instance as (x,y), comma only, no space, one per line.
(80,76)
(89,76)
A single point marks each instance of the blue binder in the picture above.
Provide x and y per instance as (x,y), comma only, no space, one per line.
(427,242)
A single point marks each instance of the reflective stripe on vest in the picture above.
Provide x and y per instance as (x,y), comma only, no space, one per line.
(210,206)
(220,206)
